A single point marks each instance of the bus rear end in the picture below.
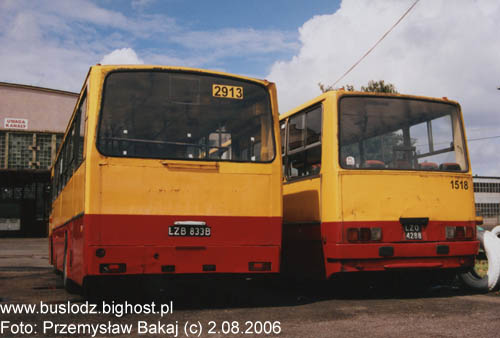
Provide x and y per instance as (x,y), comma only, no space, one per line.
(185,177)
(404,192)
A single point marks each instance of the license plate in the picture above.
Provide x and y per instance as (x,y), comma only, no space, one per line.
(413,231)
(189,229)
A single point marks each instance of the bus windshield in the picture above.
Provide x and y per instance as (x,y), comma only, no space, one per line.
(185,116)
(400,133)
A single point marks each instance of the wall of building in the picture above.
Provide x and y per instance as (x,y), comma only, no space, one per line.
(46,110)
(487,199)
(32,125)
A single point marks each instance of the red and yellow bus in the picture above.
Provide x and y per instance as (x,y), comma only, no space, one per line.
(376,182)
(167,170)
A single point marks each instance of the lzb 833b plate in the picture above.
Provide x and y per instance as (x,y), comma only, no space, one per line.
(189,229)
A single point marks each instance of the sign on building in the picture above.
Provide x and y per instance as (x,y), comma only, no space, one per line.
(10,224)
(15,123)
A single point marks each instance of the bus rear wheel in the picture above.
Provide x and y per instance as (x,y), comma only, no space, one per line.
(92,289)
(68,284)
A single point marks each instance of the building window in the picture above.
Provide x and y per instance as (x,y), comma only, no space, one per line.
(2,149)
(28,150)
(20,152)
(488,209)
(489,187)
(44,150)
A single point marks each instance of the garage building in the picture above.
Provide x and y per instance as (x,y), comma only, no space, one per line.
(32,124)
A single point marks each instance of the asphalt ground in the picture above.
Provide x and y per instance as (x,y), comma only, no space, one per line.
(358,306)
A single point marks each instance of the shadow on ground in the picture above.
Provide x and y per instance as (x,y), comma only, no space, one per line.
(217,293)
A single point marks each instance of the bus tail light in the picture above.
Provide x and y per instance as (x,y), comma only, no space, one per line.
(353,234)
(450,233)
(364,234)
(469,233)
(113,268)
(459,233)
(376,234)
(259,266)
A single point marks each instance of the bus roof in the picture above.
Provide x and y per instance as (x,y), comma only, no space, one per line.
(340,93)
(107,68)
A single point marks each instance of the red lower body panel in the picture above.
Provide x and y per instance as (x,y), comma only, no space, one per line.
(185,260)
(329,252)
(408,250)
(141,244)
(367,257)
(69,240)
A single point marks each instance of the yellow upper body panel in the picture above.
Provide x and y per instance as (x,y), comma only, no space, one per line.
(149,186)
(385,196)
(342,193)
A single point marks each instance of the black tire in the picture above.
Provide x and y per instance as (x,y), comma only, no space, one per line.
(91,289)
(69,285)
(54,259)
(490,281)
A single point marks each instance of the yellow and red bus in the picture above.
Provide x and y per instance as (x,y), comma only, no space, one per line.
(376,182)
(168,170)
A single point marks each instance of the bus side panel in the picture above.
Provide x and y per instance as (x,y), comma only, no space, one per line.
(58,248)
(77,226)
(303,251)
(57,233)
(76,249)
(67,214)
(301,201)
(302,244)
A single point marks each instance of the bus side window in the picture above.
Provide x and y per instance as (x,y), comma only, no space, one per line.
(303,156)
(283,145)
(283,134)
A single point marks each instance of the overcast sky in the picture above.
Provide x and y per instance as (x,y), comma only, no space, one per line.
(442,48)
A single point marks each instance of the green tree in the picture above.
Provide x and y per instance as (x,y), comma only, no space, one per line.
(324,88)
(379,87)
(373,86)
